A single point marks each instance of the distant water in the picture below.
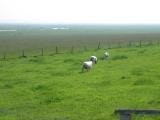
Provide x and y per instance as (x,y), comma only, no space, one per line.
(84,29)
(8,30)
(59,28)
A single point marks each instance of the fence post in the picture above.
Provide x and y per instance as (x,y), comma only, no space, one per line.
(56,49)
(42,52)
(130,44)
(4,55)
(99,45)
(157,42)
(23,55)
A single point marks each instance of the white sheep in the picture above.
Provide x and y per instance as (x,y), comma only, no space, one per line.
(87,65)
(93,59)
(105,56)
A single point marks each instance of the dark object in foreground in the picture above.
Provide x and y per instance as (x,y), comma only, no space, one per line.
(125,114)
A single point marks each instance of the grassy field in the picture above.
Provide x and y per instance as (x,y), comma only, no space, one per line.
(53,87)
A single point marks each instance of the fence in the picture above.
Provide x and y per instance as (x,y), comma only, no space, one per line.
(100,44)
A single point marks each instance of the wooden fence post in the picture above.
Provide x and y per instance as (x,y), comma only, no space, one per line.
(56,49)
(130,44)
(99,45)
(4,55)
(157,42)
(23,55)
(42,52)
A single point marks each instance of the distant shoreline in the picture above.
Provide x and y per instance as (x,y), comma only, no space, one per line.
(85,24)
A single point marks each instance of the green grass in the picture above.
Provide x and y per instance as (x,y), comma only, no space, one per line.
(53,87)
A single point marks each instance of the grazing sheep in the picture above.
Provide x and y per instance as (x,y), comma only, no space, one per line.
(105,56)
(93,59)
(87,65)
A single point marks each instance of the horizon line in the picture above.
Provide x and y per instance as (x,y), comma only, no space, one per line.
(43,23)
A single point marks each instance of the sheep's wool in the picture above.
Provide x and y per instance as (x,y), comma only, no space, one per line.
(93,58)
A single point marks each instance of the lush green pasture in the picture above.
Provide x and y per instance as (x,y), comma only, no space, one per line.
(54,88)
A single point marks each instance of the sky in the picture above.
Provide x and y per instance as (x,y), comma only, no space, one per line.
(80,11)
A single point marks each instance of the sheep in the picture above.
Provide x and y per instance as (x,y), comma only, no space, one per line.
(93,59)
(105,56)
(87,65)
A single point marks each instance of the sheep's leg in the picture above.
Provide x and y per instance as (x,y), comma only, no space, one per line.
(89,69)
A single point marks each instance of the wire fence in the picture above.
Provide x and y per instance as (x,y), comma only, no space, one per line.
(73,49)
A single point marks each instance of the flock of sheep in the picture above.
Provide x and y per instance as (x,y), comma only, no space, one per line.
(87,65)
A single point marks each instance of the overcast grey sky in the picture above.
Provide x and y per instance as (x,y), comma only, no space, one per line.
(80,11)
